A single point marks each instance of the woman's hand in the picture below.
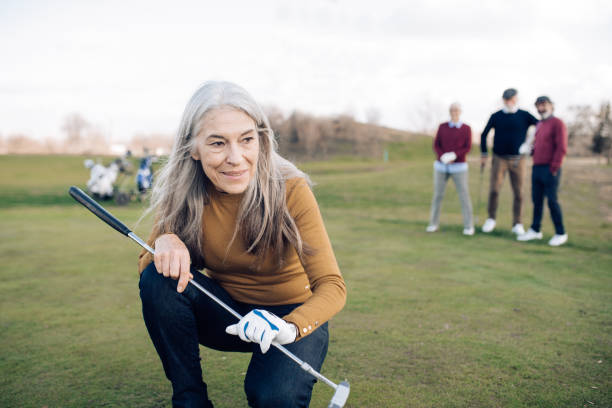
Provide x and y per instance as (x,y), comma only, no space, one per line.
(263,327)
(172,260)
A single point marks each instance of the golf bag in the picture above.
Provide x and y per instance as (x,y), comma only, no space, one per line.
(144,177)
(101,179)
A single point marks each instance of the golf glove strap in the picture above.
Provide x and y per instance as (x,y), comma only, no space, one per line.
(448,157)
(262,327)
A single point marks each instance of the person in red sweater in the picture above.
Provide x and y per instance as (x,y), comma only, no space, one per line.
(452,143)
(549,149)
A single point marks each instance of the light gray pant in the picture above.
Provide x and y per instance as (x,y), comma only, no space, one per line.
(461,183)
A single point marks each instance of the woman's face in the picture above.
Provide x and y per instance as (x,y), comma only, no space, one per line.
(228,148)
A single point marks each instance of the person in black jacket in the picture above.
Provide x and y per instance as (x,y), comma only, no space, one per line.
(511,125)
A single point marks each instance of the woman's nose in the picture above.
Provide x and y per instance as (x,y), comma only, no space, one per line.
(234,154)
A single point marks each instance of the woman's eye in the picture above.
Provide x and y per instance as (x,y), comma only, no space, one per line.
(217,144)
(248,139)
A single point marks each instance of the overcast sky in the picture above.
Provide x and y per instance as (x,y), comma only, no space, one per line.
(130,66)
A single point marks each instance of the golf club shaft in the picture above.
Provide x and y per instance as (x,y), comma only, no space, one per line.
(108,218)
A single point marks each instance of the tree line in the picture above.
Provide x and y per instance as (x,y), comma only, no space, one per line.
(590,131)
(305,136)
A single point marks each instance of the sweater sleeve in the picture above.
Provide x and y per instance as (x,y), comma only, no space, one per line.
(560,146)
(328,288)
(467,142)
(531,119)
(437,145)
(483,136)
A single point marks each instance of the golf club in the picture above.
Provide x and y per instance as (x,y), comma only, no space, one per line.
(482,167)
(342,390)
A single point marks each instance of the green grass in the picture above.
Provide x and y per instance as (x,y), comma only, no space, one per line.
(432,320)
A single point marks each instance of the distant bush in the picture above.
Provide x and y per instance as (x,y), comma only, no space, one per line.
(304,136)
(590,130)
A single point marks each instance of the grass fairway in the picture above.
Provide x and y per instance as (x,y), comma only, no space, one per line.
(432,320)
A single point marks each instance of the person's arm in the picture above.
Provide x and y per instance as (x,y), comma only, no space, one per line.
(467,142)
(532,120)
(560,147)
(527,147)
(437,144)
(483,137)
(326,283)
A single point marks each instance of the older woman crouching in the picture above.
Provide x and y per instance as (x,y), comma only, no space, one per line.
(226,201)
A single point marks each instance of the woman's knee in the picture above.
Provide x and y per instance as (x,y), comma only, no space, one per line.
(283,383)
(148,280)
(284,394)
(155,289)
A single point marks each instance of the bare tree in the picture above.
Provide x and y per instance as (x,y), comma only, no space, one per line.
(154,142)
(302,136)
(428,115)
(74,126)
(602,137)
(581,129)
(373,115)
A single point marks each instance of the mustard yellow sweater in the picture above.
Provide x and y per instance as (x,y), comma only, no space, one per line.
(317,283)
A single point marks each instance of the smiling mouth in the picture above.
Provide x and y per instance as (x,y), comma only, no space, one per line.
(233,173)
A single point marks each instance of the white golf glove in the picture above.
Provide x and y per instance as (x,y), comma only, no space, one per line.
(262,327)
(525,148)
(448,157)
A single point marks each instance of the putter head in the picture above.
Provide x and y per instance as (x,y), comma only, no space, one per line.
(340,396)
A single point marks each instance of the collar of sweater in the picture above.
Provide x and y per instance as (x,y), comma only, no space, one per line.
(506,109)
(546,115)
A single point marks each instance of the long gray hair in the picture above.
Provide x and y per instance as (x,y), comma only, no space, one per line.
(180,191)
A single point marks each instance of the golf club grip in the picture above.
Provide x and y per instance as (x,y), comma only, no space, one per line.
(98,210)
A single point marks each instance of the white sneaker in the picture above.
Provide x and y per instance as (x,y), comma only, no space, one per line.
(431,228)
(558,240)
(518,229)
(468,231)
(529,235)
(489,225)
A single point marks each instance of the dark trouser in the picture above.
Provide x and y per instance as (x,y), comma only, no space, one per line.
(543,183)
(178,323)
(516,167)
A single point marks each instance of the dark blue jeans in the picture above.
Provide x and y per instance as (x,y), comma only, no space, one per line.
(179,322)
(544,184)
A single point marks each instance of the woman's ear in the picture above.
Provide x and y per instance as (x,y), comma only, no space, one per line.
(195,154)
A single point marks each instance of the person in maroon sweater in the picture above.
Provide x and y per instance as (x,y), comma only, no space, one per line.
(549,150)
(452,143)
(453,137)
